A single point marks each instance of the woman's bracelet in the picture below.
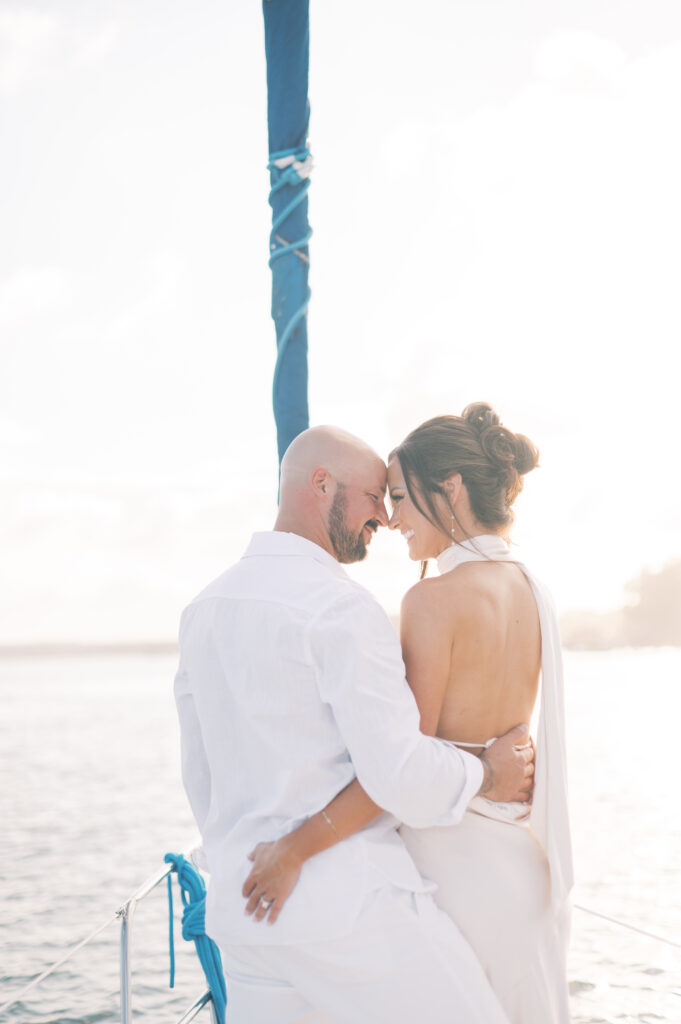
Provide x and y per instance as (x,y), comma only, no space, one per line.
(487,774)
(331,825)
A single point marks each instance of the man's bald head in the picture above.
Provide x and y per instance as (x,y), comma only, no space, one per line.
(331,491)
(341,453)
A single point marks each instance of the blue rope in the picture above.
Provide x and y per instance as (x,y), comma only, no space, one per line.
(193,892)
(280,178)
(171,931)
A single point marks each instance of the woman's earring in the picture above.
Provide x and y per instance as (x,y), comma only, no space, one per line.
(453,524)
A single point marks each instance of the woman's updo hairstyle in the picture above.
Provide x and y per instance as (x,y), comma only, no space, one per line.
(491,460)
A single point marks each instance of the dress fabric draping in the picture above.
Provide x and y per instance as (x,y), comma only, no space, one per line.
(505,872)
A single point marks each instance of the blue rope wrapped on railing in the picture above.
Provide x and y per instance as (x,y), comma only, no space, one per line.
(193,892)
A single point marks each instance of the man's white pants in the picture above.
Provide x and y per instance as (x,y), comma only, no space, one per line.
(405,962)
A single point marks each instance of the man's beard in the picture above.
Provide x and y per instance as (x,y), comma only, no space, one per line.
(348,546)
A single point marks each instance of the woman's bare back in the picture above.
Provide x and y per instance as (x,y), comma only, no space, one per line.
(481,652)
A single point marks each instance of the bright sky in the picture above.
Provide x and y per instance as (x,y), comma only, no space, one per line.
(497,216)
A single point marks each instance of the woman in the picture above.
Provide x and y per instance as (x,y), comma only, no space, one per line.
(476,641)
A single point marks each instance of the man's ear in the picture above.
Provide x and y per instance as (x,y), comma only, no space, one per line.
(452,487)
(321,481)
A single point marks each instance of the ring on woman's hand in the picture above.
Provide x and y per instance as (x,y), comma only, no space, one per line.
(266,903)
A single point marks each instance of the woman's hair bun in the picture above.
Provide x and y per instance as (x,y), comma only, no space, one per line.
(506,450)
(480,415)
(526,455)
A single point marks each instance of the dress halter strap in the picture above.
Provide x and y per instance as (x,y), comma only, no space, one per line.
(488,547)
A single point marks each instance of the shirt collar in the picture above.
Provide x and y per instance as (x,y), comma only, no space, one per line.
(290,545)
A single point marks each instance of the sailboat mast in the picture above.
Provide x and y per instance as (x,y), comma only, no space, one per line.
(287,38)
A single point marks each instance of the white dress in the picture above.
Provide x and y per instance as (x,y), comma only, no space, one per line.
(505,872)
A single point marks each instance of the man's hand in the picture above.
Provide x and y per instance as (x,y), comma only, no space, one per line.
(509,767)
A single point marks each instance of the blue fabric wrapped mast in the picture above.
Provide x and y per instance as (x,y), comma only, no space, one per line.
(287,46)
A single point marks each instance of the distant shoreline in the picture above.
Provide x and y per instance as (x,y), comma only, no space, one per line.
(76,650)
(152,648)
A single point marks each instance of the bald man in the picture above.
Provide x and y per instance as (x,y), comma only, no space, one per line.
(290,684)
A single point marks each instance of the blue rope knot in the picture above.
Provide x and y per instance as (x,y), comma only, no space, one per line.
(284,176)
(194,920)
(278,174)
(279,178)
(193,893)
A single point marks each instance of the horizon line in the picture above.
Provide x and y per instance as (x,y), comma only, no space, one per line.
(70,648)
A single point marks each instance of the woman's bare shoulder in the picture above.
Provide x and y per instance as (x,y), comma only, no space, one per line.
(455,581)
(425,617)
(455,597)
(435,594)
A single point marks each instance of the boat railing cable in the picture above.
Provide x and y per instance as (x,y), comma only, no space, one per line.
(196,1008)
(124,914)
(126,911)
(67,956)
(624,924)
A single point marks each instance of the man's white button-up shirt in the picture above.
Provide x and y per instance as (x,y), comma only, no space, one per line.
(290,683)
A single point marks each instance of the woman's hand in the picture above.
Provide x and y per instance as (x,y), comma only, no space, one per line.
(273,877)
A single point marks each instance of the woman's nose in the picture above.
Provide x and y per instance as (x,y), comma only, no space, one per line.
(394,520)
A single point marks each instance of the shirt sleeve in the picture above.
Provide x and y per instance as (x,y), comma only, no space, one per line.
(422,780)
(195,769)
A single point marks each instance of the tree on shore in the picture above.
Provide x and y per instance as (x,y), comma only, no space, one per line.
(653,616)
(650,618)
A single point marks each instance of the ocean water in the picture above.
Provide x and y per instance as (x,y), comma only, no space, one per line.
(91,800)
